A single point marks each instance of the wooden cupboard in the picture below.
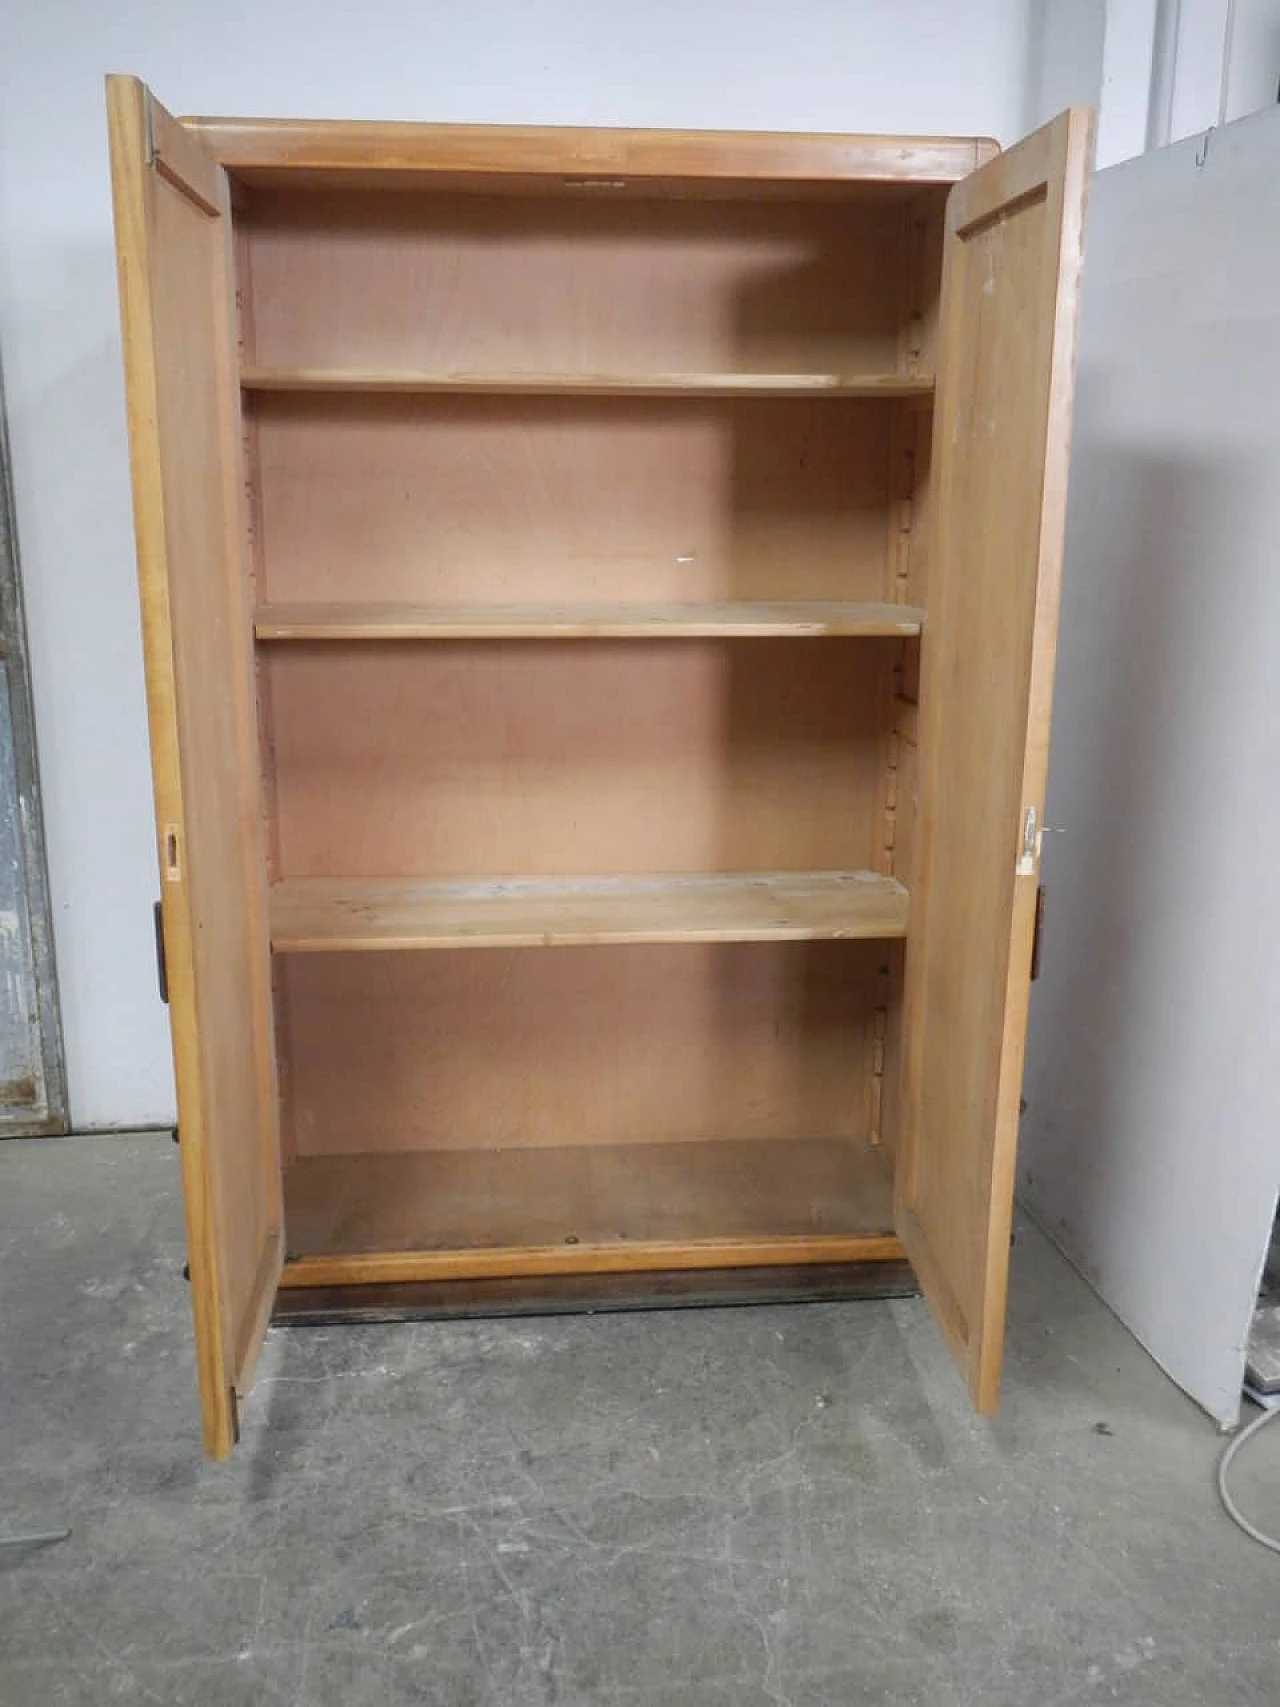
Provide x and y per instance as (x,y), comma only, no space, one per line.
(599,594)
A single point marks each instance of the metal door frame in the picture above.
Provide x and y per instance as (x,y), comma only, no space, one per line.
(52,1119)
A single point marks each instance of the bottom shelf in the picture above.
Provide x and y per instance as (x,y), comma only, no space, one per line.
(591,1294)
(586,1209)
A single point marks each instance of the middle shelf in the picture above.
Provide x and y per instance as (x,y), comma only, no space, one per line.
(744,619)
(322,914)
(431,382)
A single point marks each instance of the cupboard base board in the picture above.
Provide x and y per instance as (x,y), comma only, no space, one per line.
(451,1215)
(591,1294)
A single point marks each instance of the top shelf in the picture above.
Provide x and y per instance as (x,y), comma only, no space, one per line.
(421,382)
(759,619)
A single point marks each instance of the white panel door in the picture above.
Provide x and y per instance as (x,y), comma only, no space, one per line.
(1151,1139)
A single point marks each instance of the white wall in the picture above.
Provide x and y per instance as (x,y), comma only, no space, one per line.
(1157,70)
(878,65)
(1254,72)
(1067,39)
(1108,54)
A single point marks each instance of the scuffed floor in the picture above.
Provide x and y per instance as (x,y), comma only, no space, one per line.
(730,1508)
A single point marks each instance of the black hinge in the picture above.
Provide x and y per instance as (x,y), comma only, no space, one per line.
(162,976)
(1038,934)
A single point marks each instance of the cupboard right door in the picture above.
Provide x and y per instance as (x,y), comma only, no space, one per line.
(1007,337)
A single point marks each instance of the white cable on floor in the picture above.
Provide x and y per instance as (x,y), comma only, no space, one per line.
(1224,1464)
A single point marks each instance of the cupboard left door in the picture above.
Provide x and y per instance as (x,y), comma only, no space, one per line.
(173,240)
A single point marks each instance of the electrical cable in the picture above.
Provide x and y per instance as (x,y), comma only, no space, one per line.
(1224,1464)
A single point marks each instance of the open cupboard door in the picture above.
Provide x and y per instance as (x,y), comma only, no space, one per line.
(173,232)
(1010,294)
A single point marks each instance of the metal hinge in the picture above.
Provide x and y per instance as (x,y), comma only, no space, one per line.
(162,974)
(1030,843)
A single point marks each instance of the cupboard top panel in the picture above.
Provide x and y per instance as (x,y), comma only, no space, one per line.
(537,156)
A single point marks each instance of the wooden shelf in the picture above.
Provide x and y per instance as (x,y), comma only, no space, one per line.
(598,1208)
(755,620)
(320,914)
(427,383)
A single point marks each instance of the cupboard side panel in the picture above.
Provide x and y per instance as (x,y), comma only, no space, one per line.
(926,219)
(256,556)
(902,866)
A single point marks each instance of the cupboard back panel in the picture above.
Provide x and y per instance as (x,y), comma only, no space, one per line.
(570,1046)
(477,500)
(580,758)
(583,282)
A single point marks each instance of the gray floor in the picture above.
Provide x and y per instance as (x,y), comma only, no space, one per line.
(696,1509)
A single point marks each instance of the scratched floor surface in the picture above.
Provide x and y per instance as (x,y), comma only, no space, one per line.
(728,1508)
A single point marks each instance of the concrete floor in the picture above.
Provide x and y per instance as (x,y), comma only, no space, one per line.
(734,1508)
